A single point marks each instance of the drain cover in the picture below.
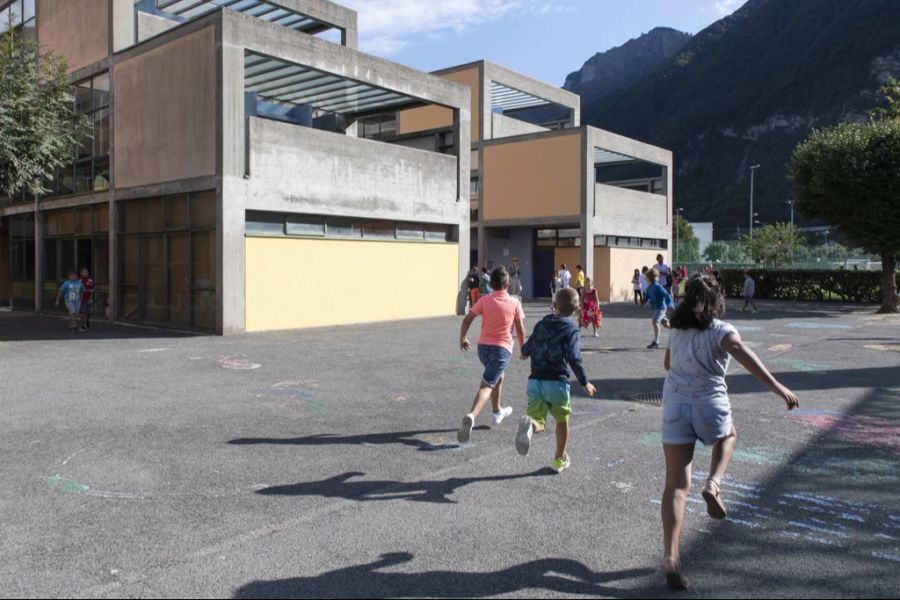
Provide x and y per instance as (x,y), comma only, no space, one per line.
(647,398)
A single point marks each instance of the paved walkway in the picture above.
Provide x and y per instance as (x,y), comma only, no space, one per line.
(324,463)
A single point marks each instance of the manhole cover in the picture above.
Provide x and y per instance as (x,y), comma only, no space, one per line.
(647,398)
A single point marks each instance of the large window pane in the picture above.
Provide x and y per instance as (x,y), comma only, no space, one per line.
(84,177)
(65,222)
(131,216)
(101,217)
(101,132)
(176,212)
(101,91)
(51,262)
(131,259)
(203,209)
(151,215)
(204,259)
(154,279)
(101,174)
(85,254)
(83,220)
(179,279)
(204,308)
(67,257)
(83,97)
(28,10)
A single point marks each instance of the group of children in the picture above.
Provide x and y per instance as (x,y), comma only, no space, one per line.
(696,405)
(78,294)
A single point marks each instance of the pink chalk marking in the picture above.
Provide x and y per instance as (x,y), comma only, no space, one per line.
(237,363)
(858,428)
(295,383)
(781,347)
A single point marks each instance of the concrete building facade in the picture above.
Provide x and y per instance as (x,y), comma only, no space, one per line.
(225,185)
(546,189)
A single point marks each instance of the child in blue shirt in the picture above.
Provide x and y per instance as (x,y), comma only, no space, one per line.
(71,291)
(554,344)
(660,301)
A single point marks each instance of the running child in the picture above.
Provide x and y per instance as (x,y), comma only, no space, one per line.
(696,406)
(499,312)
(87,299)
(660,301)
(554,344)
(71,290)
(591,314)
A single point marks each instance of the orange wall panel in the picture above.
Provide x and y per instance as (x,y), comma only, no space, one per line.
(165,113)
(76,29)
(435,117)
(533,178)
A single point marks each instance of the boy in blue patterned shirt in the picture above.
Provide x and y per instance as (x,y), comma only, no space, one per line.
(554,344)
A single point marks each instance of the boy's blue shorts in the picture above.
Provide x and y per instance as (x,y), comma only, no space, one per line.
(495,360)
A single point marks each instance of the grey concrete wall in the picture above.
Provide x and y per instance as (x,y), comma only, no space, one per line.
(630,213)
(151,25)
(503,126)
(501,250)
(299,169)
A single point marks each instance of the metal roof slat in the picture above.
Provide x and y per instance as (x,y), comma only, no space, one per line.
(319,97)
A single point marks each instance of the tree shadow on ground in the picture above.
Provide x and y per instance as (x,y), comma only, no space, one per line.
(340,486)
(557,576)
(825,524)
(404,438)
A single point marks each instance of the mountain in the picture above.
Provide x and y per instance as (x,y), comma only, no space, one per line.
(745,91)
(621,67)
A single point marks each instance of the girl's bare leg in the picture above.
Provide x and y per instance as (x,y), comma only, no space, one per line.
(678,484)
(721,456)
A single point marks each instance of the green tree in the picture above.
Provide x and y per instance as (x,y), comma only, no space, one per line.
(891,92)
(724,251)
(38,128)
(687,246)
(774,245)
(849,176)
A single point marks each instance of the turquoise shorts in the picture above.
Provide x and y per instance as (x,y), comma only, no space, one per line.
(549,395)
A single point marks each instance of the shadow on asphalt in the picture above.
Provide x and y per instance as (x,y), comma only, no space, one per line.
(826,524)
(558,576)
(404,438)
(340,486)
(768,311)
(28,327)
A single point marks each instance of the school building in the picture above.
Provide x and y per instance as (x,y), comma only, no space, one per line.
(246,168)
(546,189)
(227,183)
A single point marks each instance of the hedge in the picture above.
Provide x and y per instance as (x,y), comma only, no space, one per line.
(836,285)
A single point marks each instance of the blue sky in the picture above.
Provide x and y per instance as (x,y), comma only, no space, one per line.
(546,39)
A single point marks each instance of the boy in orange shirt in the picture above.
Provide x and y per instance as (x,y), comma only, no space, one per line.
(499,312)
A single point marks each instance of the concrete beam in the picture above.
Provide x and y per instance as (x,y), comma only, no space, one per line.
(530,85)
(600,138)
(330,13)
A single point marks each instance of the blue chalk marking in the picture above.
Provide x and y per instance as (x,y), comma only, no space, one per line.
(749,328)
(285,393)
(817,326)
(814,412)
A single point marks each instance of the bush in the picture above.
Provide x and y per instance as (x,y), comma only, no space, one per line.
(836,285)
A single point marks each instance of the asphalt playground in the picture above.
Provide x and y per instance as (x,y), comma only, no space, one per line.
(323,463)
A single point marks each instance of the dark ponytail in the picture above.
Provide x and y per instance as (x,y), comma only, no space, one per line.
(703,302)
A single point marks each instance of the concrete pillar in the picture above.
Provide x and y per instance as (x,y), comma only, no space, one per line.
(232,148)
(122,24)
(588,202)
(113,300)
(38,258)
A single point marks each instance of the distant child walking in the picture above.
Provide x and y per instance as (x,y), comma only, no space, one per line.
(579,281)
(660,301)
(554,344)
(636,286)
(474,282)
(696,406)
(71,291)
(591,313)
(499,313)
(484,283)
(749,291)
(645,284)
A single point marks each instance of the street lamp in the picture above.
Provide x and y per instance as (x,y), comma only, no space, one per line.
(753,169)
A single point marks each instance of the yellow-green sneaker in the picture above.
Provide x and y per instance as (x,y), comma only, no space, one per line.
(561,464)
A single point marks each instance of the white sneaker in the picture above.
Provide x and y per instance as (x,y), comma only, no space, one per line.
(504,412)
(523,437)
(465,430)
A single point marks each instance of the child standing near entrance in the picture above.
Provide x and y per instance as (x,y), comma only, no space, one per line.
(500,312)
(591,313)
(71,290)
(554,344)
(696,406)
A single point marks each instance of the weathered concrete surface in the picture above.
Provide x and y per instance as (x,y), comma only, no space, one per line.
(323,463)
(630,213)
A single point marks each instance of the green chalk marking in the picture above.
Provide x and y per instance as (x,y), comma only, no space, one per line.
(316,405)
(757,455)
(66,486)
(800,365)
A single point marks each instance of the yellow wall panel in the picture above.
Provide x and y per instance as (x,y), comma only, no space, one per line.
(533,178)
(615,267)
(291,283)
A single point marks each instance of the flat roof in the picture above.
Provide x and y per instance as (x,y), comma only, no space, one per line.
(261,9)
(285,82)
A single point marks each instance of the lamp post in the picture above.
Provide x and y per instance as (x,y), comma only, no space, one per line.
(678,212)
(753,169)
(791,248)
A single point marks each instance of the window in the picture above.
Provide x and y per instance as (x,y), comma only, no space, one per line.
(280,224)
(90,171)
